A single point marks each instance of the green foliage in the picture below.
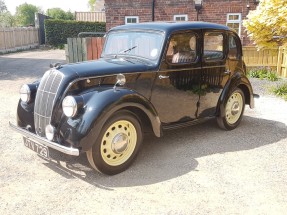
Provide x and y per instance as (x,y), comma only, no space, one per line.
(25,14)
(92,4)
(281,91)
(200,89)
(3,7)
(70,15)
(272,76)
(263,73)
(260,73)
(57,31)
(58,13)
(7,20)
(253,73)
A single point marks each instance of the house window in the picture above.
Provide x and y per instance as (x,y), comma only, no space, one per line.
(131,19)
(234,22)
(183,17)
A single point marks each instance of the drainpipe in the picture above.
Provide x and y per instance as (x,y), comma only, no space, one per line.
(153,6)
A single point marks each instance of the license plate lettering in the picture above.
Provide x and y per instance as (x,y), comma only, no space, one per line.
(40,149)
(44,152)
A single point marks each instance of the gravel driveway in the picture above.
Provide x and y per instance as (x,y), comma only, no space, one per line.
(196,170)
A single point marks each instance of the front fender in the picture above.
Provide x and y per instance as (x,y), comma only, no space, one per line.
(238,80)
(82,130)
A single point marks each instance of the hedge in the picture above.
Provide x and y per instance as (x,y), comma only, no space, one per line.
(57,31)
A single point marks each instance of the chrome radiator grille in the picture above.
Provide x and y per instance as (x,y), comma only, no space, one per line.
(45,98)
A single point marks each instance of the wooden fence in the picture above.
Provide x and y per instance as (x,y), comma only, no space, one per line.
(254,58)
(275,58)
(82,49)
(91,16)
(282,62)
(13,39)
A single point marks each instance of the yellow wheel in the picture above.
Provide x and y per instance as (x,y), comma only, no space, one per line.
(117,145)
(233,110)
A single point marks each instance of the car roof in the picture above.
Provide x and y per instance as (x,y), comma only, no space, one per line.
(169,27)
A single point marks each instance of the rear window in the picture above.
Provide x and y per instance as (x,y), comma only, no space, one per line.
(233,48)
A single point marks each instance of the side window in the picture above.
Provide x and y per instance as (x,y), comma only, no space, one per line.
(213,46)
(233,48)
(182,48)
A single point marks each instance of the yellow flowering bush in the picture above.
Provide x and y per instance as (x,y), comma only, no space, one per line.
(267,25)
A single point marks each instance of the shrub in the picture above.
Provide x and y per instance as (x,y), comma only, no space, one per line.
(57,31)
(253,73)
(272,76)
(281,90)
(262,73)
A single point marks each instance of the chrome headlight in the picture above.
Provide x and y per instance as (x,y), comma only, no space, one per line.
(25,93)
(69,106)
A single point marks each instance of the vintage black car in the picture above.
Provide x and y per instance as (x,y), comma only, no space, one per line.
(150,77)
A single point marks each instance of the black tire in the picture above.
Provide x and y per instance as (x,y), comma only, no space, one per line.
(233,111)
(117,145)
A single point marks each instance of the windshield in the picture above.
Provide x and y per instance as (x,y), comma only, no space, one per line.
(139,44)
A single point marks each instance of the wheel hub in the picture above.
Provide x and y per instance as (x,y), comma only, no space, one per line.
(235,108)
(119,143)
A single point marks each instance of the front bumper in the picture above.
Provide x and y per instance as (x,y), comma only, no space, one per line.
(41,140)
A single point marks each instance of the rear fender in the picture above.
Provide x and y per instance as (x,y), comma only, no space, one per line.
(237,81)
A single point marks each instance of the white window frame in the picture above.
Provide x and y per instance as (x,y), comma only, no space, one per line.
(239,21)
(180,16)
(131,17)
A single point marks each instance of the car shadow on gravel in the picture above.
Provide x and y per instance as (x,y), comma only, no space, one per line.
(175,154)
(21,68)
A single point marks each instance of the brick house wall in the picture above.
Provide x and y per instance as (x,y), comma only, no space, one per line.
(213,11)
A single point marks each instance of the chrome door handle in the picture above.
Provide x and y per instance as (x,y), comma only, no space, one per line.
(163,76)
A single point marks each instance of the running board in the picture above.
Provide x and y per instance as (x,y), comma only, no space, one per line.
(185,124)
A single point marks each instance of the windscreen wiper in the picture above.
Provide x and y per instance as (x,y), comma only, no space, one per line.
(128,50)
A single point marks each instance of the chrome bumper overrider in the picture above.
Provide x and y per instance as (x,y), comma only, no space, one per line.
(41,140)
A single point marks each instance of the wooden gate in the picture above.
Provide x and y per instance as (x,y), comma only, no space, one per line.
(83,49)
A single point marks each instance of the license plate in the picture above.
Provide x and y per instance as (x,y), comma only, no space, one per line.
(41,150)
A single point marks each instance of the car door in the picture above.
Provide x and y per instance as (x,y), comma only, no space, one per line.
(175,91)
(215,71)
